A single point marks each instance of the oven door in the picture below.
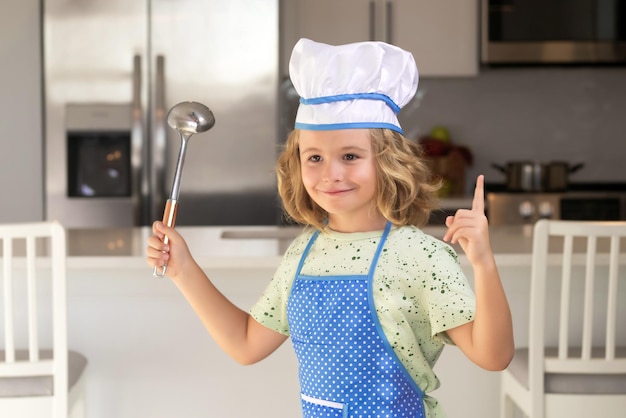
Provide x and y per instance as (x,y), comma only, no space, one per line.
(528,208)
(592,208)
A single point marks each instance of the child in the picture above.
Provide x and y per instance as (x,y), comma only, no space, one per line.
(367,298)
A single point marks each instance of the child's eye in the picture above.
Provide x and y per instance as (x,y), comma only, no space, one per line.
(315,158)
(350,157)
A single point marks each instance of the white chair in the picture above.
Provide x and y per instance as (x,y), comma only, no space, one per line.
(575,363)
(39,376)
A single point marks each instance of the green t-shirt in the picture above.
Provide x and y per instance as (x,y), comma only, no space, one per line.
(419,289)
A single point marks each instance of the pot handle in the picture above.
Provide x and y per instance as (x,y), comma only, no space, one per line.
(499,168)
(576,167)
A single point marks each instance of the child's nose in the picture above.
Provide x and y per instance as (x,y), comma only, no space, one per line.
(333,171)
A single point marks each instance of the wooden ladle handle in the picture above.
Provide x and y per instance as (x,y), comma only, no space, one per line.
(169,219)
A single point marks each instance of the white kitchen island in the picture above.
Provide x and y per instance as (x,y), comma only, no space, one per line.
(149,356)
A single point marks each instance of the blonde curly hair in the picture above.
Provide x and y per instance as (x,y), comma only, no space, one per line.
(406,189)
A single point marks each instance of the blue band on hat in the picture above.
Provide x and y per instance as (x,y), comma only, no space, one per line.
(354,96)
(352,125)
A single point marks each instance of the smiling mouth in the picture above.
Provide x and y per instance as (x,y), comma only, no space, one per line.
(335,192)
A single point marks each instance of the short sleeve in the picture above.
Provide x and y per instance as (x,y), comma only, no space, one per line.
(270,310)
(450,299)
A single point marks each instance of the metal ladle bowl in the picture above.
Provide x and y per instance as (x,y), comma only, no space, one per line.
(188,118)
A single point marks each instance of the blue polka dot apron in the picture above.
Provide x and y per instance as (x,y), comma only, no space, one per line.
(347,367)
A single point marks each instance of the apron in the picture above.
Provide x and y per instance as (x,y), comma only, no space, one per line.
(347,368)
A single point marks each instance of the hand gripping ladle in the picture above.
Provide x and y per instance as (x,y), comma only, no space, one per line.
(187,118)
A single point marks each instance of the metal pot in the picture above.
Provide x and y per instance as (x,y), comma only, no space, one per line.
(530,176)
(557,177)
(523,176)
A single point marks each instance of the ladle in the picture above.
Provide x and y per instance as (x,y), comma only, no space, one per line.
(187,118)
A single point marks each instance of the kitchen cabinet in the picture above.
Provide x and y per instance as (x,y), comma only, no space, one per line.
(442,34)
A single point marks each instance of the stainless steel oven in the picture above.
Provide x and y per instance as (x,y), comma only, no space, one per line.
(504,208)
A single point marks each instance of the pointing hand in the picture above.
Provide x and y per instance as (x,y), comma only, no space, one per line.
(469,227)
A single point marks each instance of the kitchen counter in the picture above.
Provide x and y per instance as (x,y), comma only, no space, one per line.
(251,246)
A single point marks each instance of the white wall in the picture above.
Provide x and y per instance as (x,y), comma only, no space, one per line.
(21,182)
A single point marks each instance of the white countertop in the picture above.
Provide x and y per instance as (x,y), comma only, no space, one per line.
(246,246)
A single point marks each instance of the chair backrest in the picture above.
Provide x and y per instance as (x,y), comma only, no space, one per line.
(584,260)
(33,280)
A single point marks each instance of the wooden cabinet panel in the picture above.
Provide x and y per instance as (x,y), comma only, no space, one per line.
(441,34)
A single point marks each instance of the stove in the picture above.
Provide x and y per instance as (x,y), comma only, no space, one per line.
(582,201)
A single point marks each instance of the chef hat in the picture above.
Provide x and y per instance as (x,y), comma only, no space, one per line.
(358,85)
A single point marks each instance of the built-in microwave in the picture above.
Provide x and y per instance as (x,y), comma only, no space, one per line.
(553,32)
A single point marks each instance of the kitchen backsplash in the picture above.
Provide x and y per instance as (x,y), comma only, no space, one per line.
(541,114)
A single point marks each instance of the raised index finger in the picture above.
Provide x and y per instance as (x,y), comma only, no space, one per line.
(478,204)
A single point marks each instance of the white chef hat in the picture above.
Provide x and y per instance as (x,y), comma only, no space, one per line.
(358,85)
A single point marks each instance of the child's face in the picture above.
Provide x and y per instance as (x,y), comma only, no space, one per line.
(339,174)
